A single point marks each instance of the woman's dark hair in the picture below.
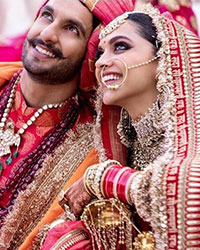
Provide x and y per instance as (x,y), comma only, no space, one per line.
(146,28)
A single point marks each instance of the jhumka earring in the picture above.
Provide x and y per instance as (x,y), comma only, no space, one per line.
(125,129)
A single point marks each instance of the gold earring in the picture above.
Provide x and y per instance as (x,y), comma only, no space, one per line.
(157,75)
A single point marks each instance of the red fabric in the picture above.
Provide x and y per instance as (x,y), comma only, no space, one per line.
(183,14)
(62,229)
(183,171)
(44,124)
(12,50)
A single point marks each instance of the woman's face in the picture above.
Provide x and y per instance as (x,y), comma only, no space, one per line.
(125,43)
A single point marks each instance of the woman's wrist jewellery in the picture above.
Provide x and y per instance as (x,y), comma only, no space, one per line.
(93,177)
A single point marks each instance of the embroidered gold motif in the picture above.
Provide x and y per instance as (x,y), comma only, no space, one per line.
(186,3)
(32,204)
(171,5)
(90,4)
(193,22)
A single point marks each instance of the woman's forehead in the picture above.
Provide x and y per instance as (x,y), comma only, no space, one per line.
(128,31)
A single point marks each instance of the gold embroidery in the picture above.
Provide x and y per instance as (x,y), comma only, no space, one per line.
(193,22)
(70,239)
(90,4)
(186,3)
(32,204)
(181,20)
(91,65)
(171,5)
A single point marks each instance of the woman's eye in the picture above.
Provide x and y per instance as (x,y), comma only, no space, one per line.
(98,54)
(121,46)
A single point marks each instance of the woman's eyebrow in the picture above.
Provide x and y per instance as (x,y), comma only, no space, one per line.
(112,40)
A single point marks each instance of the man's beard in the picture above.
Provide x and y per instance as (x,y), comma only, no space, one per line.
(63,71)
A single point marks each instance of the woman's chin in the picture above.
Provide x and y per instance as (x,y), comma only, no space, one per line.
(109,97)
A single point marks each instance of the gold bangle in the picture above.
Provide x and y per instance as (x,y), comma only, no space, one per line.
(70,239)
(89,171)
(86,186)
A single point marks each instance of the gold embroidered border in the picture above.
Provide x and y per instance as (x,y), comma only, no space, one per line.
(32,204)
(90,4)
(192,162)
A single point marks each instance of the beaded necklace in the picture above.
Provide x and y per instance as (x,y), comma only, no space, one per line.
(23,174)
(8,137)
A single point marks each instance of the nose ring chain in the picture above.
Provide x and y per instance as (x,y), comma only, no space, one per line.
(116,86)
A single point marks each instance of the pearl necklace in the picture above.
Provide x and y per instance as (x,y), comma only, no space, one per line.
(8,137)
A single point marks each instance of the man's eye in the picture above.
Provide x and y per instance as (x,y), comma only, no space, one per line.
(121,46)
(73,29)
(46,15)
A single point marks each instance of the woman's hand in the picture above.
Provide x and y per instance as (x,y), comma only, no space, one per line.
(76,197)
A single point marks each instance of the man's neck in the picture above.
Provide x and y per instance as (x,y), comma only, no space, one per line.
(38,95)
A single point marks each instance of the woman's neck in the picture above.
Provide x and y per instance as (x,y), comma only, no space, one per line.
(139,106)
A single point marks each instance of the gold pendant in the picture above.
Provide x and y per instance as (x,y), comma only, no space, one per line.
(145,241)
(8,138)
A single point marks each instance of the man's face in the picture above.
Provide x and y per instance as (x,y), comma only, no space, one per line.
(56,43)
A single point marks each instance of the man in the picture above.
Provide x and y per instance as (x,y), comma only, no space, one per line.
(45,129)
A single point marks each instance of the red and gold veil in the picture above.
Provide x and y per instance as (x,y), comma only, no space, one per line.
(171,202)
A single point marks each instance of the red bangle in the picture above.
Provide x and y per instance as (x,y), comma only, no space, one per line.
(102,180)
(116,180)
(122,183)
(108,181)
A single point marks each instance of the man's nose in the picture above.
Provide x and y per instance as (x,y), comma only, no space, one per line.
(49,34)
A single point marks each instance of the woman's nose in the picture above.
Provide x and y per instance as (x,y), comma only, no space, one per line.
(104,60)
(49,34)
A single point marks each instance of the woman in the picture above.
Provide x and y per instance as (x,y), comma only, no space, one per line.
(156,80)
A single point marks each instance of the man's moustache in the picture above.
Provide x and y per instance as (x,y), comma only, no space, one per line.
(55,51)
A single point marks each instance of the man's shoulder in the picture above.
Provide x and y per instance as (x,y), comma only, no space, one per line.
(7,69)
(10,66)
